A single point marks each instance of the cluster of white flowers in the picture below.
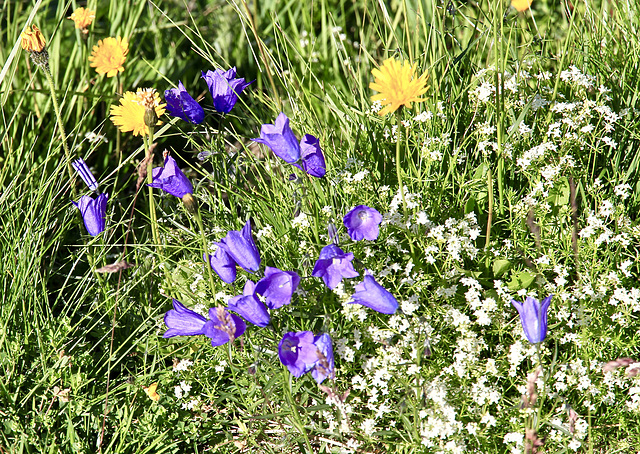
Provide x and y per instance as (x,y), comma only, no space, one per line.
(455,239)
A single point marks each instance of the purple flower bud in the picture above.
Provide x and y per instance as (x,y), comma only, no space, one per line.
(241,248)
(332,231)
(223,264)
(182,321)
(533,315)
(277,287)
(86,175)
(171,179)
(180,104)
(362,223)
(325,367)
(300,352)
(333,265)
(371,294)
(249,307)
(93,212)
(280,139)
(312,157)
(224,88)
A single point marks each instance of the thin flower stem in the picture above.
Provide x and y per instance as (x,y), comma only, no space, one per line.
(294,410)
(205,248)
(490,213)
(63,134)
(152,206)
(398,169)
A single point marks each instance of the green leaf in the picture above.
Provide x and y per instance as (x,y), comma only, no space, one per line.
(520,280)
(500,267)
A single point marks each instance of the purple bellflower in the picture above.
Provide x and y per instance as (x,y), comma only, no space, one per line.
(371,294)
(237,248)
(221,327)
(180,104)
(239,245)
(325,367)
(533,315)
(333,265)
(249,307)
(93,211)
(301,352)
(224,88)
(362,223)
(280,138)
(223,264)
(312,158)
(306,155)
(171,179)
(277,287)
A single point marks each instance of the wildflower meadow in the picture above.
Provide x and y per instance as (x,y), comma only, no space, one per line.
(400,226)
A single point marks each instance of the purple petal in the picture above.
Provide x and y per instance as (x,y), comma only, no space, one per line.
(280,139)
(180,104)
(171,179)
(362,223)
(182,321)
(312,158)
(371,294)
(93,212)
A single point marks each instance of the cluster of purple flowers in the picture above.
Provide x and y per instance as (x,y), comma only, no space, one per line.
(223,86)
(300,352)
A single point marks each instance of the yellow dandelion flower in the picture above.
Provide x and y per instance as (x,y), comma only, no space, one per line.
(521,5)
(109,56)
(130,114)
(82,17)
(32,40)
(397,85)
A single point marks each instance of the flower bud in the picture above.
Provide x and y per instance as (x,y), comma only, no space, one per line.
(190,203)
(150,117)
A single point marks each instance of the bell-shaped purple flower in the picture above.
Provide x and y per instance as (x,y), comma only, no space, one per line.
(223,265)
(325,367)
(171,179)
(301,352)
(277,287)
(84,172)
(333,265)
(180,104)
(371,294)
(362,223)
(224,88)
(221,327)
(249,307)
(312,157)
(533,315)
(93,212)
(280,138)
(182,321)
(298,352)
(241,248)
(224,326)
